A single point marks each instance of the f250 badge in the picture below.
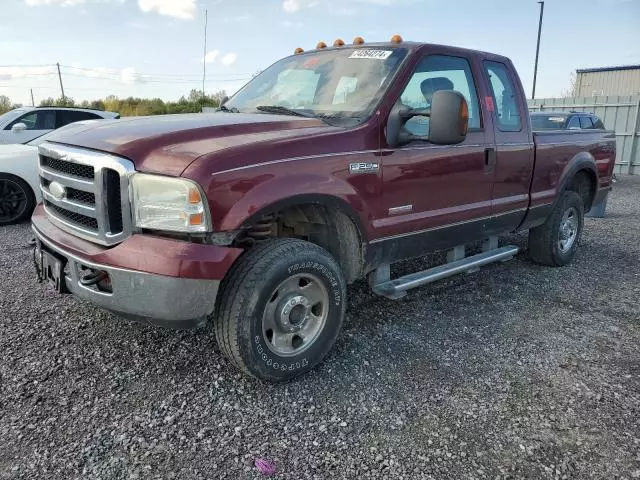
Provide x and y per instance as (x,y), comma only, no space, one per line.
(366,167)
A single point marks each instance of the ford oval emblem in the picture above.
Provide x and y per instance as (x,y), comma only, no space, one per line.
(57,190)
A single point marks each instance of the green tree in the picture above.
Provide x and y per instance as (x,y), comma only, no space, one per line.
(5,104)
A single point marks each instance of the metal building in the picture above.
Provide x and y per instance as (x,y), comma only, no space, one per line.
(600,82)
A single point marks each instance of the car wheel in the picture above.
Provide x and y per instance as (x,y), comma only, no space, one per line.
(16,199)
(280,309)
(555,242)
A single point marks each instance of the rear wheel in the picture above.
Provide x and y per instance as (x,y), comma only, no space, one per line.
(555,242)
(16,199)
(280,309)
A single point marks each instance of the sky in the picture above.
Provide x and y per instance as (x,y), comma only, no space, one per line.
(155,48)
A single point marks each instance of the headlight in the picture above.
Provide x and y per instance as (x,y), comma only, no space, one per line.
(166,203)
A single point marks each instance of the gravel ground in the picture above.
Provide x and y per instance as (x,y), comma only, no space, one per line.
(517,371)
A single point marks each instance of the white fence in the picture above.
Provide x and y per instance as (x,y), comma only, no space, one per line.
(618,113)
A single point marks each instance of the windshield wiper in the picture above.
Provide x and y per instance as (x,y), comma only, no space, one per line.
(279,110)
(227,109)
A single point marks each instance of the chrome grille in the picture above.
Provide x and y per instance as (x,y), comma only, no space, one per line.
(93,202)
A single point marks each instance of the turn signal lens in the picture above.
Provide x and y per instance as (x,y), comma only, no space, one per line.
(194,196)
(321,45)
(358,41)
(464,118)
(338,43)
(396,39)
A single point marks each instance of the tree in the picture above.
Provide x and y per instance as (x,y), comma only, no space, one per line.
(572,90)
(5,104)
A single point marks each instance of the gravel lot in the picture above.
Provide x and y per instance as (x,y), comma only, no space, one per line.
(517,371)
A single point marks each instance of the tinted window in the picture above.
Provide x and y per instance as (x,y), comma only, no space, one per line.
(505,98)
(65,117)
(548,122)
(38,120)
(585,122)
(574,122)
(597,123)
(434,73)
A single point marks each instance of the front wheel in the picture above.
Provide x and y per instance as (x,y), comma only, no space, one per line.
(16,199)
(555,242)
(280,309)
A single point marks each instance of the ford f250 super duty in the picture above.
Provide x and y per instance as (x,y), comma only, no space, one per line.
(325,168)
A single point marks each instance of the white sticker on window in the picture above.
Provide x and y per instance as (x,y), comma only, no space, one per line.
(368,53)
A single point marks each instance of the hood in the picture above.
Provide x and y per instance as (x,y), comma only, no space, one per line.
(169,143)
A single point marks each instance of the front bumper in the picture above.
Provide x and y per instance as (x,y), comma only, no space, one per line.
(150,296)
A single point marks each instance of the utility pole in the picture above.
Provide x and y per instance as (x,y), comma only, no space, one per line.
(60,78)
(33,103)
(535,68)
(204,57)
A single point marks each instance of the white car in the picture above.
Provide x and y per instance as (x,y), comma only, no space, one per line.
(19,181)
(26,123)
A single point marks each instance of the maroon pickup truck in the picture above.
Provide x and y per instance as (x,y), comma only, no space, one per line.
(327,167)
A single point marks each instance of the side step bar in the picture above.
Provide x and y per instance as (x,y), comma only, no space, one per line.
(381,283)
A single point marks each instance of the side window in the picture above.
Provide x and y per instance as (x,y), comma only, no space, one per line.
(39,120)
(585,122)
(506,103)
(597,123)
(439,72)
(65,117)
(574,123)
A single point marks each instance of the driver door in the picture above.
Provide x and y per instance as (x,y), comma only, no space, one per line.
(436,196)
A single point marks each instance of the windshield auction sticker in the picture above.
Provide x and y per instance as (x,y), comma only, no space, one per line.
(368,53)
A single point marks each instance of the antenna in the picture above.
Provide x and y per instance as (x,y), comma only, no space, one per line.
(204,56)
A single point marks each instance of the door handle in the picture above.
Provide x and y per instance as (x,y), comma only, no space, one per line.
(489,159)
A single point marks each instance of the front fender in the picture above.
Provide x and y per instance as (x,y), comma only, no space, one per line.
(239,204)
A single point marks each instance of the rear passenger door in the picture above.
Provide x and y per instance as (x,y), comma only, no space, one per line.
(513,144)
(65,117)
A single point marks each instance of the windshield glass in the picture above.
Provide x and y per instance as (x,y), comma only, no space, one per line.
(10,115)
(344,83)
(548,122)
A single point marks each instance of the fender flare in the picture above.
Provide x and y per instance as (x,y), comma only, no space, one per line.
(581,161)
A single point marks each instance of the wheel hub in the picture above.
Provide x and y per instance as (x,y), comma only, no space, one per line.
(568,231)
(293,312)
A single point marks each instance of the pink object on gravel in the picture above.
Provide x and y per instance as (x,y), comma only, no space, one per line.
(265,467)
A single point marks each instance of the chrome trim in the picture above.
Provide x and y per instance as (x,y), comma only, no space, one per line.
(99,161)
(440,227)
(70,205)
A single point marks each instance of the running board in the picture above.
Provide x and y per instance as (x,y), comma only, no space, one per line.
(381,283)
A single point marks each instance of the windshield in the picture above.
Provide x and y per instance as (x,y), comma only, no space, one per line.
(548,122)
(10,115)
(344,83)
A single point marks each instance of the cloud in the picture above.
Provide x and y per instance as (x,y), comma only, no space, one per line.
(229,58)
(211,56)
(128,76)
(184,9)
(9,73)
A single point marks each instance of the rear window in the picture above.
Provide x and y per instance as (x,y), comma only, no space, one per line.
(548,122)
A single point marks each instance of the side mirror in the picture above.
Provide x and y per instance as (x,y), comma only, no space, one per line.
(449,118)
(18,127)
(448,124)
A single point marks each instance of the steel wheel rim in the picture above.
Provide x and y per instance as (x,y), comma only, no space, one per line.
(568,229)
(13,200)
(295,314)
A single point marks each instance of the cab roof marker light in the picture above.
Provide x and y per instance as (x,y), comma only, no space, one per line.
(321,45)
(358,41)
(298,50)
(396,39)
(338,43)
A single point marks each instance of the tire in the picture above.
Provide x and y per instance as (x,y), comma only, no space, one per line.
(555,242)
(17,200)
(280,309)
